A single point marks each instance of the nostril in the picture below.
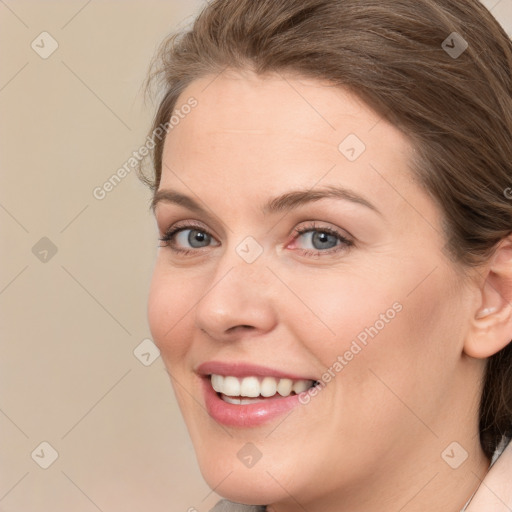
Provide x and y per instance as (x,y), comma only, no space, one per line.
(235,327)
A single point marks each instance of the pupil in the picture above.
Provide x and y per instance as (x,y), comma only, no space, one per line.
(197,238)
(324,239)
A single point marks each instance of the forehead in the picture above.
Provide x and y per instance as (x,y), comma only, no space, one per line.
(262,135)
(278,107)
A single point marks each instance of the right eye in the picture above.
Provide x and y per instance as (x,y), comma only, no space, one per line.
(187,238)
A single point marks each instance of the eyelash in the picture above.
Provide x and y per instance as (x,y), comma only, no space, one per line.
(167,238)
(345,243)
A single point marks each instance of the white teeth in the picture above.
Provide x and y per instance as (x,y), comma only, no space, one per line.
(239,401)
(268,386)
(217,382)
(284,388)
(231,386)
(250,387)
(300,386)
(253,387)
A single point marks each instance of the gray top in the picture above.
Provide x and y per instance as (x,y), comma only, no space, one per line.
(229,506)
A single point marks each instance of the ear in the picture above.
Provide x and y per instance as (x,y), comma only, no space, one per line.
(491,324)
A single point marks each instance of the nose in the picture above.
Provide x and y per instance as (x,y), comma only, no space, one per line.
(239,301)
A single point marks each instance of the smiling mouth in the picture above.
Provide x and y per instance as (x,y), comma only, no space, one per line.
(252,389)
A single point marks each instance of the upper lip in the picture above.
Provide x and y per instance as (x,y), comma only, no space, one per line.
(241,369)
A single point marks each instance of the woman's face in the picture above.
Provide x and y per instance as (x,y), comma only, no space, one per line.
(306,251)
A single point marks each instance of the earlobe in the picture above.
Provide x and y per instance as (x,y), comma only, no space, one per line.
(491,326)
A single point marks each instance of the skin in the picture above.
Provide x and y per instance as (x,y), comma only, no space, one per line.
(372,439)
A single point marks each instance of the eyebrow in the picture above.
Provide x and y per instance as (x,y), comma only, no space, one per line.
(285,202)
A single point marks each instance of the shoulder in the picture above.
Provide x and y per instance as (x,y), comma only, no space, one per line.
(495,492)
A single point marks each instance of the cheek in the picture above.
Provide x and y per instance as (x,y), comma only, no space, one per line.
(407,363)
(380,336)
(169,311)
(336,309)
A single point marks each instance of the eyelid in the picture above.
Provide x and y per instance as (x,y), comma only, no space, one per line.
(346,242)
(170,233)
(187,224)
(168,217)
(313,226)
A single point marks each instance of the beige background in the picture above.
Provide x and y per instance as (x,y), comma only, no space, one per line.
(70,323)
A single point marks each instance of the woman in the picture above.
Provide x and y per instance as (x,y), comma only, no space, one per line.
(332,295)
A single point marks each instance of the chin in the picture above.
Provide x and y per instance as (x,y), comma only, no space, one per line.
(246,486)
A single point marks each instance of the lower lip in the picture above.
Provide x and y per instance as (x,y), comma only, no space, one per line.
(250,415)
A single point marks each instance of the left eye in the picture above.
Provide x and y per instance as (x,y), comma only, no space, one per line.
(195,238)
(319,240)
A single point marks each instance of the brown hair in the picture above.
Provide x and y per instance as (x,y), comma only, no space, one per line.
(401,58)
